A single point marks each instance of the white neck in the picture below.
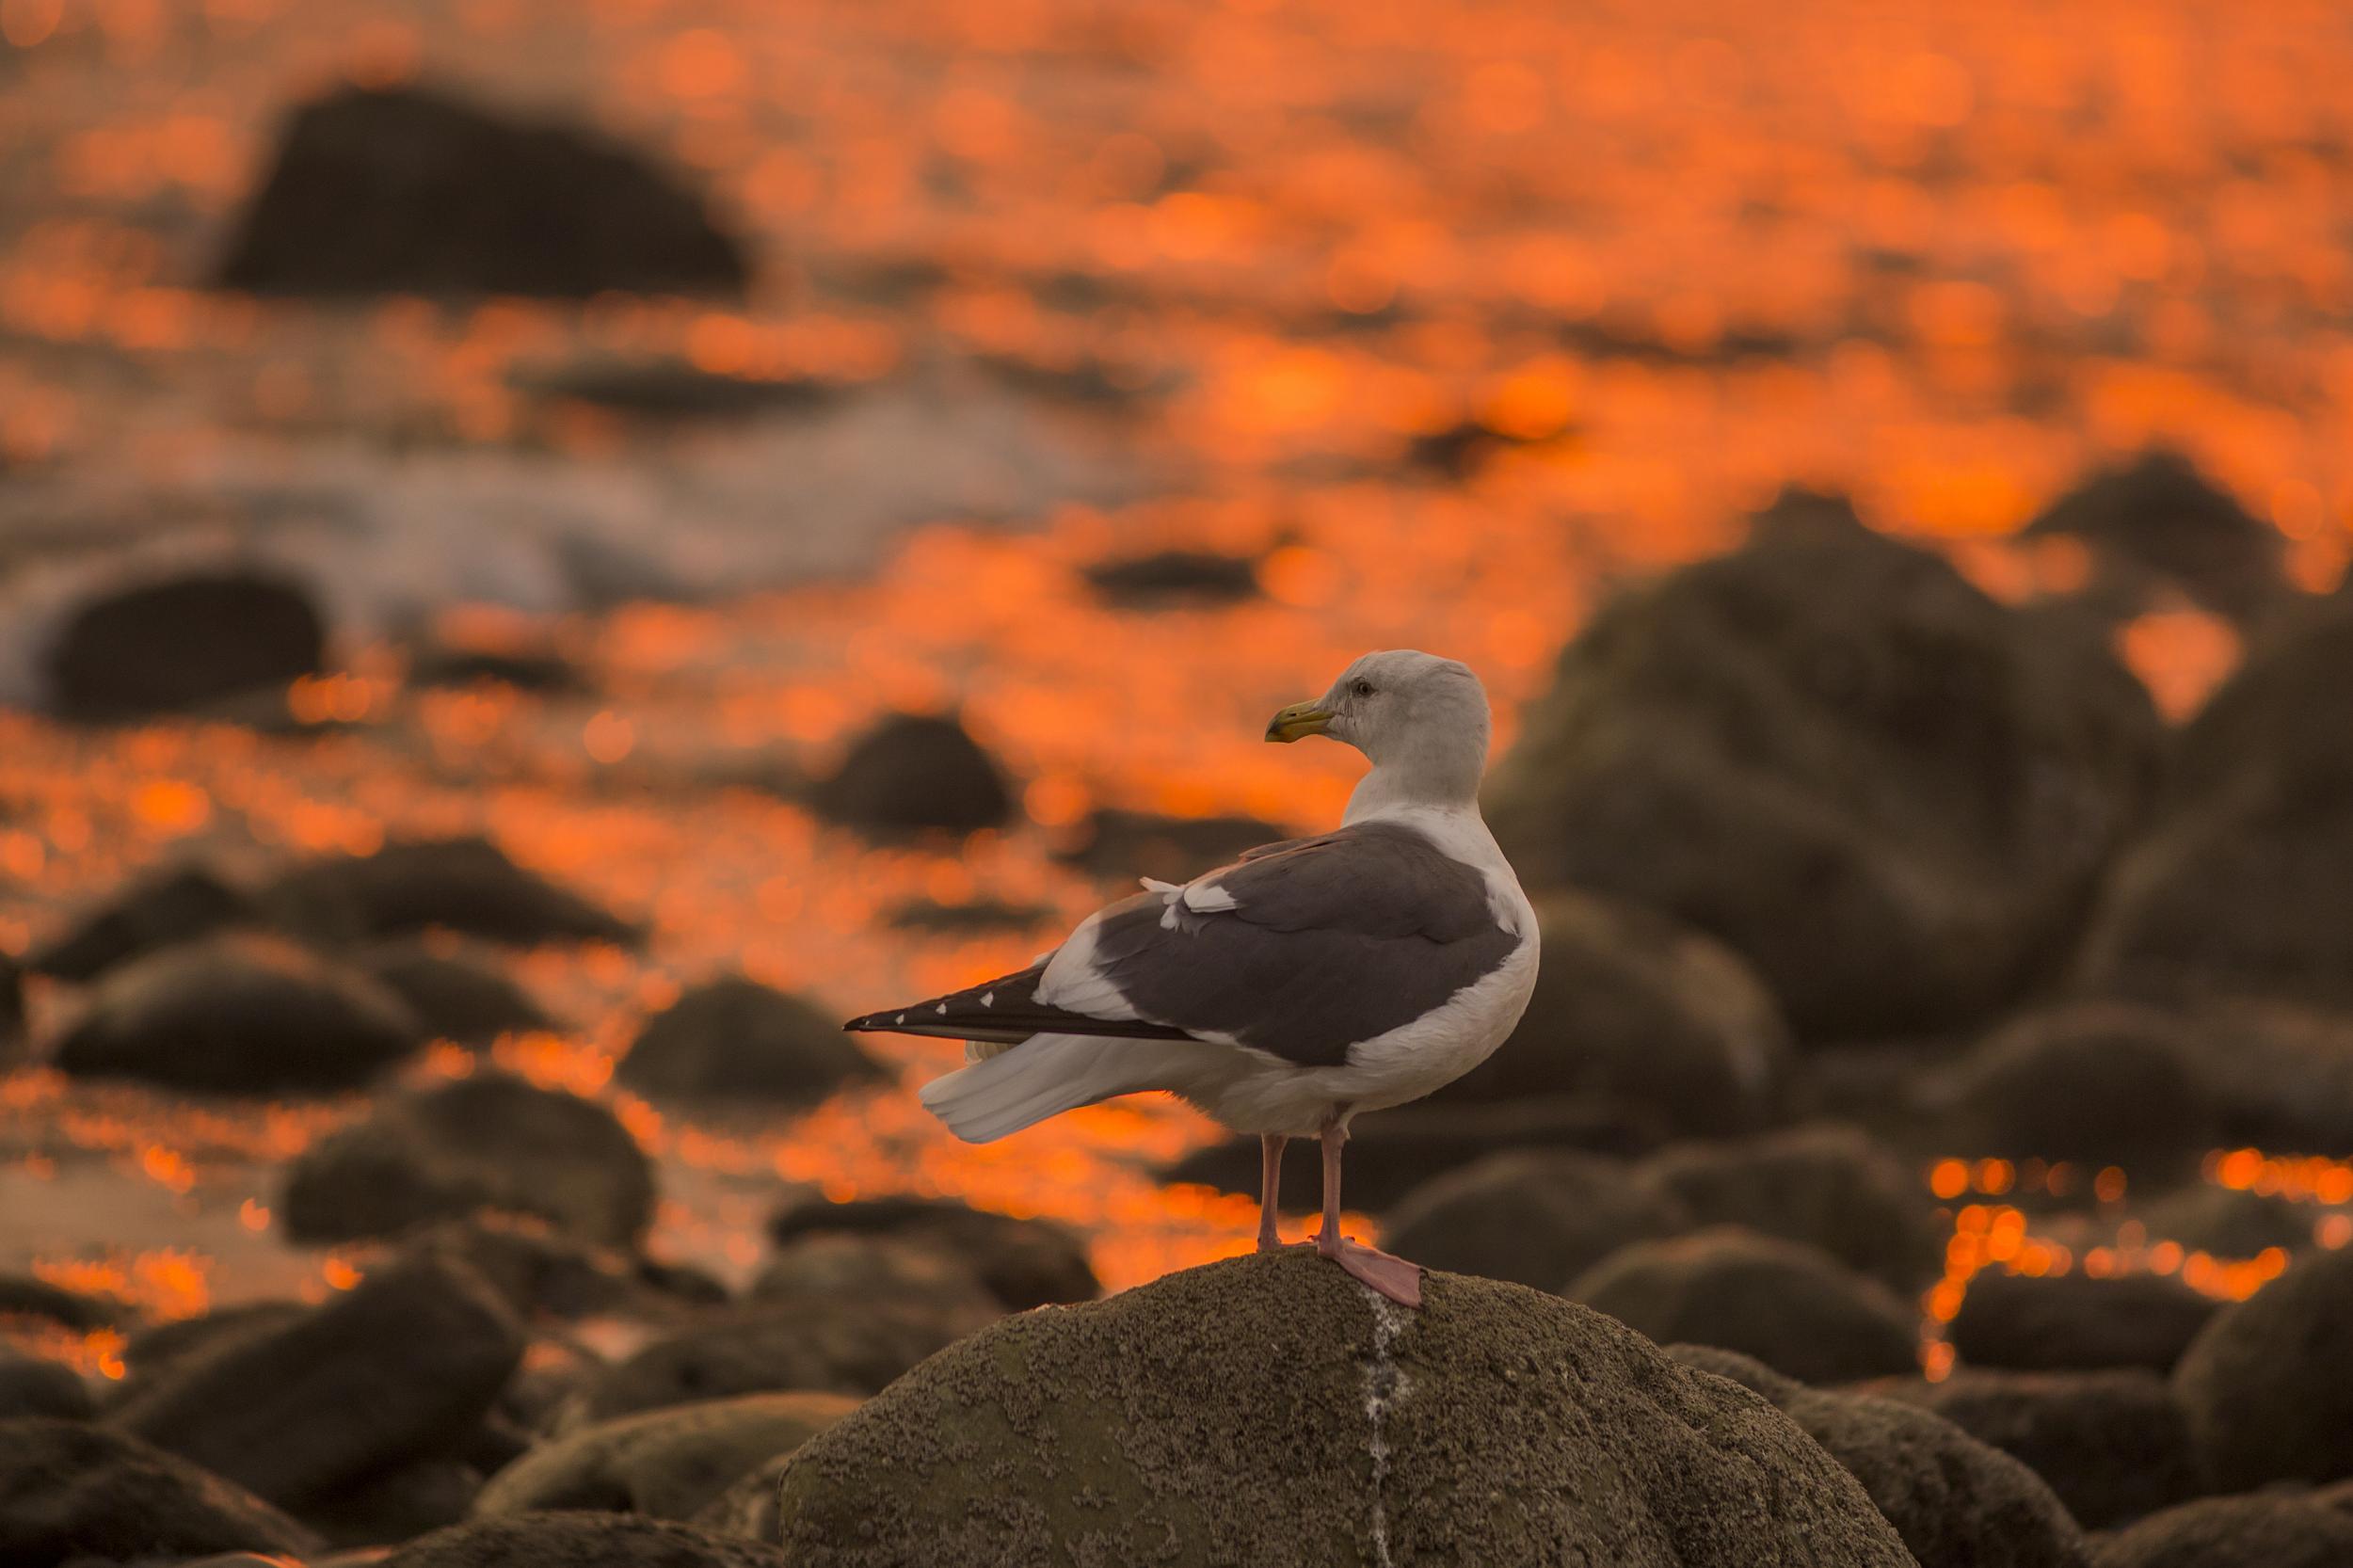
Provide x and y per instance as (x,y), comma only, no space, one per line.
(1390,790)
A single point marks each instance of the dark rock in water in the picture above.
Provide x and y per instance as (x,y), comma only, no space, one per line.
(733,1038)
(835,1346)
(458,995)
(1394,1153)
(2156,523)
(1533,1217)
(2268,1384)
(396,1370)
(2281,1073)
(2237,888)
(1794,1307)
(2103,1083)
(2269,1531)
(75,1492)
(1634,1009)
(491,1141)
(11,1011)
(916,771)
(2061,1322)
(240,1013)
(676,389)
(1827,1185)
(1889,793)
(1141,1426)
(465,885)
(544,1272)
(410,191)
(1957,1502)
(393,1505)
(177,903)
(666,1463)
(2223,1221)
(181,644)
(2114,1445)
(838,1266)
(525,668)
(1175,577)
(1025,1263)
(151,1350)
(1122,845)
(581,1540)
(22,1295)
(32,1388)
(979,916)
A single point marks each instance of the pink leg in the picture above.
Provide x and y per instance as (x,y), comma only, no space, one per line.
(1270,1182)
(1393,1277)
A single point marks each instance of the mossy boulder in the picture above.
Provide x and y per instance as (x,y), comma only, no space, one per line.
(2096,1082)
(667,1463)
(2264,1531)
(1268,1409)
(2056,1322)
(1024,1262)
(2269,1383)
(1537,1217)
(734,1039)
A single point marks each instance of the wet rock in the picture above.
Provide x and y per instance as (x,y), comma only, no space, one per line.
(1887,792)
(410,191)
(22,1295)
(183,643)
(1123,844)
(239,1014)
(1957,1502)
(1828,1186)
(397,1369)
(2272,1530)
(1025,1263)
(2223,1221)
(2102,1083)
(733,1038)
(916,771)
(459,994)
(2114,1445)
(2156,523)
(1794,1307)
(2237,888)
(2281,1073)
(545,1272)
(1118,1428)
(2269,1383)
(1174,577)
(491,1141)
(465,885)
(394,1505)
(975,917)
(1634,1009)
(71,1491)
(581,1540)
(2060,1322)
(32,1388)
(822,1267)
(525,667)
(1536,1218)
(667,1463)
(749,1507)
(150,1351)
(669,389)
(11,1011)
(1392,1154)
(176,904)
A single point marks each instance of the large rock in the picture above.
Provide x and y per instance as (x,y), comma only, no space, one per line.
(580,1540)
(1533,1217)
(463,884)
(2073,1321)
(240,1013)
(181,644)
(1120,845)
(2114,1445)
(391,1506)
(1889,793)
(2155,526)
(827,1266)
(2269,1383)
(668,1463)
(1025,1263)
(2237,887)
(458,994)
(1793,1307)
(397,1369)
(2270,1530)
(1634,1009)
(912,771)
(491,1141)
(1957,1502)
(30,1387)
(1496,1425)
(74,1492)
(11,1011)
(2226,1221)
(1828,1186)
(2100,1083)
(410,191)
(174,904)
(735,1039)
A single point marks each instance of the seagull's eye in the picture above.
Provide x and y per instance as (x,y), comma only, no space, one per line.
(1362,687)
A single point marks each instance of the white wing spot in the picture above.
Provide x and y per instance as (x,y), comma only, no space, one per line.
(903,1017)
(941,1008)
(988,999)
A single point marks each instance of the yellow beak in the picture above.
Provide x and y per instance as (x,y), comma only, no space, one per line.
(1299,719)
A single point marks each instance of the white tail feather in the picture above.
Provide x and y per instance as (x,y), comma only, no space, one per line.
(1042,1076)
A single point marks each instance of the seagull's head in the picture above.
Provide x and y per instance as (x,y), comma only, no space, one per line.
(1405,709)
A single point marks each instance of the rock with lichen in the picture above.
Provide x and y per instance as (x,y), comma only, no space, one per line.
(1268,1409)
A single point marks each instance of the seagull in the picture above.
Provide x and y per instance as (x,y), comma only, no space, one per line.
(1283,994)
